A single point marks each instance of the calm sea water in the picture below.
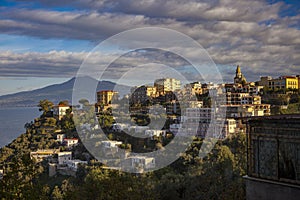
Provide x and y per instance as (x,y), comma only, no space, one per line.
(12,121)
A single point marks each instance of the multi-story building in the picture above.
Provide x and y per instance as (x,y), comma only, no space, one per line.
(63,157)
(60,110)
(248,110)
(264,81)
(251,100)
(105,97)
(242,98)
(155,133)
(235,98)
(250,88)
(173,108)
(273,164)
(142,94)
(110,143)
(74,164)
(192,88)
(200,119)
(166,85)
(41,155)
(231,125)
(140,163)
(283,82)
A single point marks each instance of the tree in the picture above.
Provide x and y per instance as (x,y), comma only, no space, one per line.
(67,123)
(45,106)
(56,193)
(64,103)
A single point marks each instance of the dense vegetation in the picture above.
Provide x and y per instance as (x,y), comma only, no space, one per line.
(282,101)
(216,176)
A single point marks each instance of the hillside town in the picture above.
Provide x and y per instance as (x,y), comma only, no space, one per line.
(240,100)
(152,115)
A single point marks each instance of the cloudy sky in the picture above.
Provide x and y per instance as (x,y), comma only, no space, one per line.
(45,41)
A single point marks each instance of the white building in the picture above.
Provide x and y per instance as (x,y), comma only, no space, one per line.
(40,155)
(73,164)
(142,162)
(174,128)
(60,111)
(231,125)
(157,133)
(110,143)
(69,142)
(194,116)
(166,85)
(198,114)
(60,137)
(63,157)
(200,119)
(120,126)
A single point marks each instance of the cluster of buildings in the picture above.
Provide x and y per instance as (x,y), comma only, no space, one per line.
(238,100)
(61,162)
(110,151)
(144,130)
(68,142)
(281,83)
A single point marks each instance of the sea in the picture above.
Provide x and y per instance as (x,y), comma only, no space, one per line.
(12,121)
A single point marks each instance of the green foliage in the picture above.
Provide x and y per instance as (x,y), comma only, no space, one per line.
(67,124)
(45,106)
(291,109)
(56,193)
(216,176)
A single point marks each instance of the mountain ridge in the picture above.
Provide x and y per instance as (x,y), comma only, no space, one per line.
(54,93)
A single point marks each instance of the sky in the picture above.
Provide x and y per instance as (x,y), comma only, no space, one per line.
(45,42)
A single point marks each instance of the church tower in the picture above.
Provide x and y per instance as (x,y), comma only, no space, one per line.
(239,77)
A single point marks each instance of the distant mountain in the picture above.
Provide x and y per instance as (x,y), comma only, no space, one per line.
(55,93)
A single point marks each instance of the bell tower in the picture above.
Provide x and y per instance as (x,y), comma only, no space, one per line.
(239,77)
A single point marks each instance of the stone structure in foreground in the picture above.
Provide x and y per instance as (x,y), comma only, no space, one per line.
(273,157)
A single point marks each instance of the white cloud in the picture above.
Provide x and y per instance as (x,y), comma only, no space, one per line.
(250,33)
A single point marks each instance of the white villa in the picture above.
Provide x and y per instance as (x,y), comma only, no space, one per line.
(63,157)
(73,164)
(70,142)
(60,110)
